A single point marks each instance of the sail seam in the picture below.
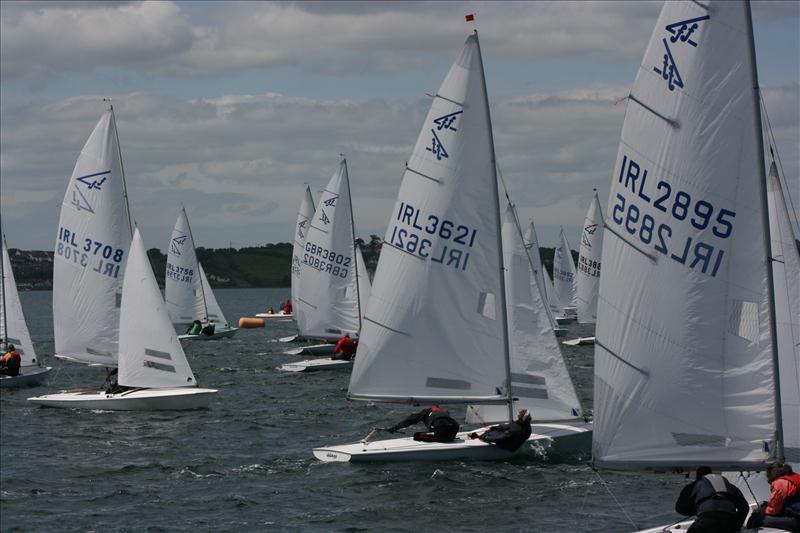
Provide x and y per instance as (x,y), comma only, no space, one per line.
(423,175)
(368,319)
(614,355)
(671,122)
(623,239)
(307,302)
(320,229)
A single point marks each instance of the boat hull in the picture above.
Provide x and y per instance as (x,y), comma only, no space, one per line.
(28,377)
(316,365)
(274,315)
(135,400)
(218,334)
(580,341)
(545,437)
(314,349)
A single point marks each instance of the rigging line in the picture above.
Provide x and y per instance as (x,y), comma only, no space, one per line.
(613,497)
(753,494)
(777,157)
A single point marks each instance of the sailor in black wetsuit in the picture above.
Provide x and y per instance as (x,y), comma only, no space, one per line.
(441,426)
(719,505)
(509,436)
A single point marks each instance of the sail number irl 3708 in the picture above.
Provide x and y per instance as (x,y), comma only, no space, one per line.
(640,212)
(410,233)
(102,258)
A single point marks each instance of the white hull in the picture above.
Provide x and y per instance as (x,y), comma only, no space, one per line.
(218,334)
(134,400)
(551,437)
(290,338)
(314,365)
(580,341)
(28,377)
(274,315)
(314,349)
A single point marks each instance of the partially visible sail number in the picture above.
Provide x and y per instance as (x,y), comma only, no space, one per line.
(104,258)
(700,214)
(179,273)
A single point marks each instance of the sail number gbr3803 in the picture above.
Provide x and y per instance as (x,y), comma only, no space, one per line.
(657,214)
(89,253)
(415,232)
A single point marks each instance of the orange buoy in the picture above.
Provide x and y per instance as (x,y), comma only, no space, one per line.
(247,322)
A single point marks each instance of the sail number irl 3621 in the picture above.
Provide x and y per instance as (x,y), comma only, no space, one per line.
(89,253)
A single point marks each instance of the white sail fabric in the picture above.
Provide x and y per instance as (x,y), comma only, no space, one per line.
(329,292)
(304,216)
(587,281)
(364,285)
(13,328)
(212,309)
(684,356)
(564,273)
(150,353)
(433,329)
(182,287)
(786,280)
(540,280)
(91,250)
(539,378)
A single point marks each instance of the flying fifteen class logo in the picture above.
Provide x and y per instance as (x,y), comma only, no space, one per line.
(679,32)
(588,231)
(91,182)
(330,202)
(177,244)
(445,122)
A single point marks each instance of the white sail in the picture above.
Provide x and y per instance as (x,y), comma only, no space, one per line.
(212,309)
(304,216)
(364,284)
(433,329)
(539,378)
(564,273)
(587,281)
(540,280)
(182,289)
(329,295)
(13,328)
(786,277)
(91,249)
(150,353)
(684,355)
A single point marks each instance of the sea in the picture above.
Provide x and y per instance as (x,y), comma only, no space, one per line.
(245,463)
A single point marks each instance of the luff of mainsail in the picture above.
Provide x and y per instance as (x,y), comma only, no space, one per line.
(91,249)
(434,330)
(684,356)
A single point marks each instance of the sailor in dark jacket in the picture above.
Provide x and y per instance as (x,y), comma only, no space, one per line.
(441,426)
(509,436)
(719,505)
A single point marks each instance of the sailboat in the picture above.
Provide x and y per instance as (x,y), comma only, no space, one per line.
(564,280)
(696,354)
(329,302)
(435,330)
(188,294)
(540,281)
(153,371)
(14,330)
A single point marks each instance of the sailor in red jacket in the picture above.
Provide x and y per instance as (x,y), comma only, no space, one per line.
(10,362)
(345,348)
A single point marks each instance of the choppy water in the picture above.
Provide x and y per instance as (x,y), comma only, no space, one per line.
(245,464)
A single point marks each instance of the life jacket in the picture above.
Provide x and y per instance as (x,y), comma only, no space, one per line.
(346,345)
(711,494)
(439,417)
(12,361)
(791,506)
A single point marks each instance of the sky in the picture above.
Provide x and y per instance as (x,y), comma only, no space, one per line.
(229,108)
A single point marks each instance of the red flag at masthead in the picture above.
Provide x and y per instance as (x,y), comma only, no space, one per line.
(470,17)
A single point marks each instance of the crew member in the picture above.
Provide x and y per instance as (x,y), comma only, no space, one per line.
(719,505)
(345,348)
(782,511)
(10,362)
(208,329)
(509,436)
(195,328)
(440,425)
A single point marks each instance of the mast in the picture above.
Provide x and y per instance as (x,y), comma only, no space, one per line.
(499,237)
(121,166)
(197,261)
(779,454)
(353,232)
(4,340)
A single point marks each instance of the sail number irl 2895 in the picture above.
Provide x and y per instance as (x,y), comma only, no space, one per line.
(412,228)
(102,258)
(640,212)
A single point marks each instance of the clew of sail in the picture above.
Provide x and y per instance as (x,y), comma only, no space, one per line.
(684,354)
(433,329)
(92,244)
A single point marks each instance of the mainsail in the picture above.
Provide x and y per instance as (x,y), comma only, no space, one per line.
(329,294)
(540,280)
(150,353)
(588,276)
(684,356)
(564,273)
(13,329)
(304,216)
(94,235)
(434,329)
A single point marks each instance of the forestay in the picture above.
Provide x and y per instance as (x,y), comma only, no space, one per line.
(433,330)
(786,273)
(182,288)
(304,216)
(329,293)
(587,281)
(564,273)
(684,356)
(91,249)
(150,353)
(13,328)
(539,378)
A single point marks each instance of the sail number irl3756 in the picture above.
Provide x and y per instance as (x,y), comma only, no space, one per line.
(639,212)
(89,253)
(411,231)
